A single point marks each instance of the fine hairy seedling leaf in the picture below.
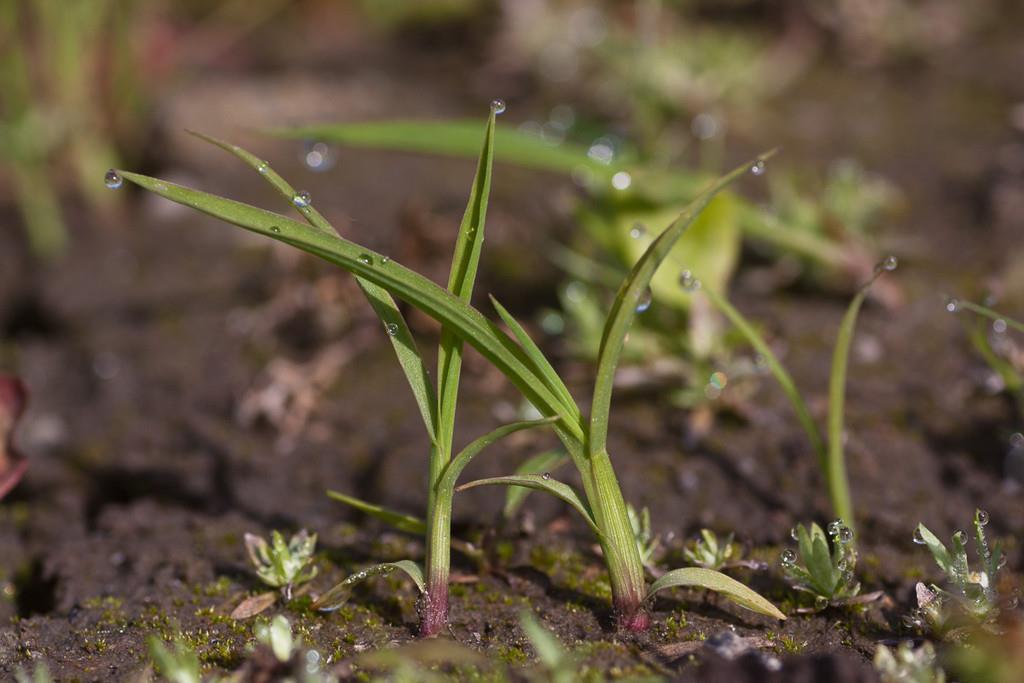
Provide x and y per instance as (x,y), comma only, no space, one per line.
(970,598)
(708,551)
(283,565)
(826,573)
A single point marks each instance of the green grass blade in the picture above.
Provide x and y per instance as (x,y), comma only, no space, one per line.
(452,138)
(461,279)
(837,481)
(624,308)
(698,577)
(536,464)
(779,372)
(383,304)
(540,361)
(458,463)
(339,594)
(401,282)
(399,520)
(539,482)
(990,314)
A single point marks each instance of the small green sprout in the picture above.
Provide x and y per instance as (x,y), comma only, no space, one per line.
(178,663)
(813,568)
(558,664)
(647,542)
(277,636)
(283,565)
(708,552)
(907,664)
(971,598)
(41,674)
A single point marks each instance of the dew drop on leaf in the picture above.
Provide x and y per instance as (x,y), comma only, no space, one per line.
(302,200)
(113,180)
(498,106)
(644,302)
(919,537)
(758,168)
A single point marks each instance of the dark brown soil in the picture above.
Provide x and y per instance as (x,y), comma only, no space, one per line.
(141,348)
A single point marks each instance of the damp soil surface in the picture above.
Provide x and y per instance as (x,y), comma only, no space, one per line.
(190,384)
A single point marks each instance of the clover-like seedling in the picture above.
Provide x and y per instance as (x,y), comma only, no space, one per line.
(971,598)
(708,552)
(908,664)
(283,565)
(813,568)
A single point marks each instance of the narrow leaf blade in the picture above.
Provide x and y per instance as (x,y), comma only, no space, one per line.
(403,283)
(399,520)
(339,594)
(383,304)
(466,455)
(539,482)
(536,464)
(626,301)
(710,579)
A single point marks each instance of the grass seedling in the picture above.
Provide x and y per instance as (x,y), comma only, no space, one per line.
(990,339)
(283,565)
(908,664)
(970,599)
(516,355)
(827,575)
(830,453)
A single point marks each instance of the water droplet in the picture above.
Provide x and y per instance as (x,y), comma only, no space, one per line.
(704,126)
(758,168)
(602,150)
(546,476)
(385,259)
(845,534)
(794,533)
(318,156)
(959,536)
(889,263)
(622,180)
(952,305)
(718,380)
(262,167)
(788,558)
(498,106)
(274,229)
(113,179)
(833,527)
(644,302)
(366,259)
(637,231)
(919,537)
(392,329)
(302,200)
(982,517)
(688,282)
(999,326)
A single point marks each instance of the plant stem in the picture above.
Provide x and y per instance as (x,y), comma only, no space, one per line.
(625,569)
(434,602)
